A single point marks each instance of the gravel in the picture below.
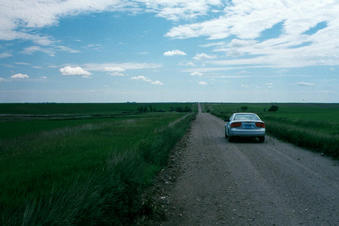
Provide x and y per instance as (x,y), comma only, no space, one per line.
(211,181)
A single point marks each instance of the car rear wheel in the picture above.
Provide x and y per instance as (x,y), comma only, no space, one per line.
(261,139)
(230,139)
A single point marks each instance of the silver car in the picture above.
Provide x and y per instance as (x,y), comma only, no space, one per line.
(245,125)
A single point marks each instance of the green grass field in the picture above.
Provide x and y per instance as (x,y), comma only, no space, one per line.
(314,126)
(82,171)
(95,108)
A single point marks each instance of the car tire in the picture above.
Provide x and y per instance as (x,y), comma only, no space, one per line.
(226,135)
(261,139)
(230,139)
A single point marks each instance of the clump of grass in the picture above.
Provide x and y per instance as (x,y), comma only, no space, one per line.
(305,137)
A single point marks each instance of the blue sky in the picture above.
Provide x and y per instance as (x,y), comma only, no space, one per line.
(179,50)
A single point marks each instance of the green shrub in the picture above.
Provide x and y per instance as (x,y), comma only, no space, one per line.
(273,108)
(305,137)
(244,108)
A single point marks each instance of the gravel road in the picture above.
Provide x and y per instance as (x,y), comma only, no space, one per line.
(249,183)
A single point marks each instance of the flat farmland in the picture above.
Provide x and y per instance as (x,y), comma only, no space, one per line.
(82,163)
(87,108)
(314,126)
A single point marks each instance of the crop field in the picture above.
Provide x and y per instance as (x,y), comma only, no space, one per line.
(89,109)
(66,169)
(315,126)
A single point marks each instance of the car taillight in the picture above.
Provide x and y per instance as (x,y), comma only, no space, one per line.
(260,124)
(235,124)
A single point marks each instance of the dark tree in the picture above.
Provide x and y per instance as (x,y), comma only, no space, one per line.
(273,108)
(187,109)
(178,109)
(140,109)
(244,108)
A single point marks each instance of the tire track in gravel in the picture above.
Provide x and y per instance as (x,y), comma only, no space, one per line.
(249,183)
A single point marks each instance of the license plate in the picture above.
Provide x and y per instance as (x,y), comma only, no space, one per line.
(248,126)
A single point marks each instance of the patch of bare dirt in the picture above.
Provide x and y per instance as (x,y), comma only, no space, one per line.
(157,198)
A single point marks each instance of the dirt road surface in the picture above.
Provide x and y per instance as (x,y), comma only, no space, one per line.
(250,183)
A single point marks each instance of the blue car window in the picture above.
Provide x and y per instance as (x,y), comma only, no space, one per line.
(246,117)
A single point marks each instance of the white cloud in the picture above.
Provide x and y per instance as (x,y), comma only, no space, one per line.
(43,77)
(143,78)
(213,44)
(157,83)
(32,49)
(201,56)
(2,79)
(202,83)
(305,84)
(48,50)
(181,9)
(119,67)
(114,69)
(5,55)
(139,77)
(228,76)
(246,20)
(22,63)
(20,76)
(174,53)
(196,73)
(269,85)
(17,15)
(69,70)
(67,49)
(210,69)
(94,46)
(189,64)
(117,74)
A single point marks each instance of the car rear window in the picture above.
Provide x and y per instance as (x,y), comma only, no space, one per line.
(246,117)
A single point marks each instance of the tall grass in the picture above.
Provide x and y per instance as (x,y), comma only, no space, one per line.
(96,182)
(316,140)
(313,126)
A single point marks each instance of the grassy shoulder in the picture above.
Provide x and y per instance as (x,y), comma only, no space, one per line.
(88,173)
(313,126)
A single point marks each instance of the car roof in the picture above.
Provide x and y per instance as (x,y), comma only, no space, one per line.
(244,113)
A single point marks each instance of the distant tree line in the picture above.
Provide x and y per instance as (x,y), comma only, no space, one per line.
(150,108)
(181,109)
(244,108)
(273,108)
